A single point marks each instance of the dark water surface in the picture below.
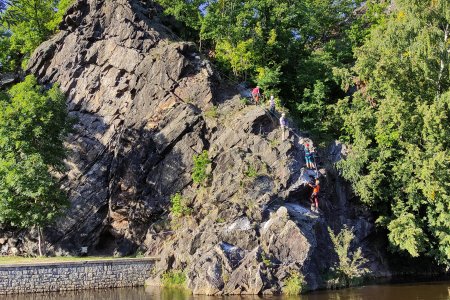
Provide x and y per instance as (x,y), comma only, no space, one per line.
(418,291)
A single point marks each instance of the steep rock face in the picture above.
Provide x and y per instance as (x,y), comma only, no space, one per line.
(130,85)
(146,103)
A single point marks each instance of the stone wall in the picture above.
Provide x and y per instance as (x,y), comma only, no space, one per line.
(65,276)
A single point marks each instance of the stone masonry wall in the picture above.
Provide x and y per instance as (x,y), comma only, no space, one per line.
(52,277)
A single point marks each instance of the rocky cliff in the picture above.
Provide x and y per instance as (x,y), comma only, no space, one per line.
(146,103)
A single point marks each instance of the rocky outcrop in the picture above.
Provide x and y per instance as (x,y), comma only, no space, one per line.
(7,79)
(137,94)
(146,103)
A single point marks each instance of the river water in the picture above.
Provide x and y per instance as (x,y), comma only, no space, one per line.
(417,291)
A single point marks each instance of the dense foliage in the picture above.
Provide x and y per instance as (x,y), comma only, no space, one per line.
(398,125)
(24,24)
(173,279)
(33,120)
(33,123)
(294,284)
(179,206)
(349,269)
(199,171)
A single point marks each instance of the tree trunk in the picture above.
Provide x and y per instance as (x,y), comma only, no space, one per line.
(39,240)
(444,60)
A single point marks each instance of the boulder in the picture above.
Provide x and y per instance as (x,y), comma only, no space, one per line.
(251,277)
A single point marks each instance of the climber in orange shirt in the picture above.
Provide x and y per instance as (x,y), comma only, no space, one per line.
(315,196)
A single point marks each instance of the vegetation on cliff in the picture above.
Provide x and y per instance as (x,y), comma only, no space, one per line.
(349,270)
(374,74)
(294,284)
(174,279)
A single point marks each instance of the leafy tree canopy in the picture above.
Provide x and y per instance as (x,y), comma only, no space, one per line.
(33,124)
(398,125)
(24,24)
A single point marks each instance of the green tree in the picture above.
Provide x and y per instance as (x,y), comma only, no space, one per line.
(61,9)
(24,25)
(33,124)
(7,62)
(349,268)
(268,79)
(398,127)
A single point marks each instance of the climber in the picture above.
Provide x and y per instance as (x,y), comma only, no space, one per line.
(309,154)
(314,199)
(272,104)
(256,94)
(283,126)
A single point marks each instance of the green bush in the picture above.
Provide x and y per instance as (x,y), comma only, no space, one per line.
(179,207)
(349,269)
(244,101)
(220,220)
(174,279)
(274,143)
(212,113)
(201,162)
(293,285)
(251,172)
(266,260)
(225,276)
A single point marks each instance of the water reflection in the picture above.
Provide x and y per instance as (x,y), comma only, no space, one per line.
(422,291)
(109,294)
(171,294)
